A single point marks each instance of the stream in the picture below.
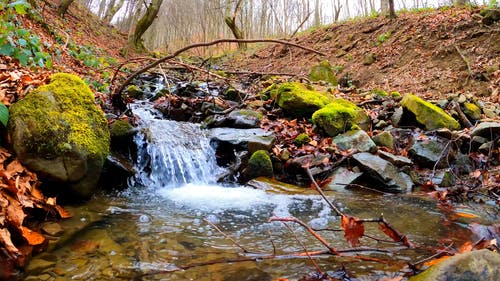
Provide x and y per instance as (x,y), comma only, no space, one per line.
(159,223)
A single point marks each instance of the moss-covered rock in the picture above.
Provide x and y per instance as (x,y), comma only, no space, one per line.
(299,101)
(472,111)
(135,92)
(340,116)
(120,129)
(260,164)
(301,139)
(428,114)
(323,72)
(58,132)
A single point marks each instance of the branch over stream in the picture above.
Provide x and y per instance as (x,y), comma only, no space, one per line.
(206,44)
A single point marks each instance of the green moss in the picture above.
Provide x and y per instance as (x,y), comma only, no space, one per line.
(340,116)
(299,101)
(62,115)
(260,164)
(120,128)
(473,111)
(377,92)
(251,113)
(135,92)
(270,92)
(323,72)
(232,94)
(395,94)
(428,114)
(302,139)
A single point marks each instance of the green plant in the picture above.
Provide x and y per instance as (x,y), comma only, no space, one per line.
(492,3)
(18,42)
(383,37)
(4,114)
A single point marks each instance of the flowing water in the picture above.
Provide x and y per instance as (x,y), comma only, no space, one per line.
(161,223)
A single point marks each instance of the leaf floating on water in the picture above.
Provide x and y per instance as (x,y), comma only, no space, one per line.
(353,229)
(62,212)
(395,235)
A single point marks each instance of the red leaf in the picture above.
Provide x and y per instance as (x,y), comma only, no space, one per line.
(395,235)
(353,229)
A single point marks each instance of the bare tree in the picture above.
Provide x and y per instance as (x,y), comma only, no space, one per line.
(144,23)
(231,22)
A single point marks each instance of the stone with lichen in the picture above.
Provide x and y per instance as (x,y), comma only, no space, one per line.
(58,132)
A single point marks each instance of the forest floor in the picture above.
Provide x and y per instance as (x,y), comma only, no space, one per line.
(432,53)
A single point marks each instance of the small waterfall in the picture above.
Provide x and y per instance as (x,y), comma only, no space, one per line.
(170,153)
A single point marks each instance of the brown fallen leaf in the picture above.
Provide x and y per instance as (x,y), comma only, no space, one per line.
(7,242)
(32,237)
(353,229)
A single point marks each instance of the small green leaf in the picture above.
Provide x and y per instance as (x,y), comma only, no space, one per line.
(6,49)
(4,114)
(23,59)
(22,42)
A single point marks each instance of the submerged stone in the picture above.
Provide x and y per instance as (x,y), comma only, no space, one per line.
(357,139)
(58,132)
(299,101)
(428,114)
(387,175)
(340,116)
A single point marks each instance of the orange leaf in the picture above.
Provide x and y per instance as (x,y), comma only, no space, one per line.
(32,237)
(62,212)
(395,236)
(466,215)
(466,247)
(353,229)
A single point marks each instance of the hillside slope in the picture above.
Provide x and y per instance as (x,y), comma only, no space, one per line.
(429,52)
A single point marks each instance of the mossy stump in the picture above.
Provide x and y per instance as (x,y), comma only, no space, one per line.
(58,132)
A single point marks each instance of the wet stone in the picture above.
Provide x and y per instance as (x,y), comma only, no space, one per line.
(386,174)
(431,152)
(52,229)
(37,266)
(384,139)
(397,160)
(342,177)
(241,139)
(357,139)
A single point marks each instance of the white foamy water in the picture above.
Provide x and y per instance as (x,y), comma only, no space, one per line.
(213,197)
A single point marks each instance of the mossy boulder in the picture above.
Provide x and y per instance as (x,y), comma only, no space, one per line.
(340,116)
(472,111)
(260,164)
(323,72)
(135,92)
(58,132)
(428,114)
(299,101)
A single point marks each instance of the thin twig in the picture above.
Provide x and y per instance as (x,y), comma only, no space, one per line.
(318,269)
(314,233)
(227,236)
(318,188)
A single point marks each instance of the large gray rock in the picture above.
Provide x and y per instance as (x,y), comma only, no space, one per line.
(386,175)
(242,119)
(357,139)
(243,139)
(58,132)
(486,129)
(482,265)
(431,152)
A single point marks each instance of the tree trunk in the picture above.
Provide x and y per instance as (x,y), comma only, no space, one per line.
(144,23)
(392,12)
(63,7)
(231,23)
(111,11)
